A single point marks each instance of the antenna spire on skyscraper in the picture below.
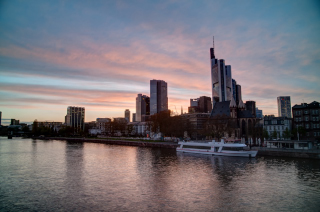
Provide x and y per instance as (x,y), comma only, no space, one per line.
(212,56)
(213,42)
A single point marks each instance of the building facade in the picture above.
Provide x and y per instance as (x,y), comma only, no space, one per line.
(224,88)
(284,106)
(56,126)
(14,122)
(158,96)
(103,124)
(127,115)
(142,106)
(307,116)
(251,106)
(277,126)
(200,105)
(75,117)
(259,113)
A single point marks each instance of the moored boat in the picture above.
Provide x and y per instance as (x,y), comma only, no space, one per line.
(217,148)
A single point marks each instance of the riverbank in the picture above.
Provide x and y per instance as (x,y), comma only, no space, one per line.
(164,144)
(292,153)
(262,151)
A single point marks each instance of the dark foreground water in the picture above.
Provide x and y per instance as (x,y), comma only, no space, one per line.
(40,175)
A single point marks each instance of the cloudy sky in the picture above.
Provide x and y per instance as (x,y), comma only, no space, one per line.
(101,54)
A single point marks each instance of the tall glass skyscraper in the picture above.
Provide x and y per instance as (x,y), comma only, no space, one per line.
(127,115)
(221,79)
(284,106)
(142,106)
(158,96)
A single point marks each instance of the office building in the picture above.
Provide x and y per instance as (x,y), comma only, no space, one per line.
(259,113)
(127,115)
(200,105)
(158,96)
(14,122)
(75,117)
(224,88)
(133,117)
(221,79)
(142,106)
(284,106)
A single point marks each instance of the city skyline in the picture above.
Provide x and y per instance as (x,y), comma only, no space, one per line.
(101,55)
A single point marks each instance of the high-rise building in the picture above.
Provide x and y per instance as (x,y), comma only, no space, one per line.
(0,117)
(15,122)
(205,105)
(142,106)
(259,113)
(127,115)
(158,96)
(133,117)
(221,79)
(75,117)
(200,105)
(284,106)
(239,95)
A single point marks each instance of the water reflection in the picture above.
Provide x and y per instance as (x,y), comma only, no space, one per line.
(66,176)
(73,180)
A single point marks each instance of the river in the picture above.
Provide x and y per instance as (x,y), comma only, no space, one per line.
(52,175)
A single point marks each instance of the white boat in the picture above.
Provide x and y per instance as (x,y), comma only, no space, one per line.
(217,148)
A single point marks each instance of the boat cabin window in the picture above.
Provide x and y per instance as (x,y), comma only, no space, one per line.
(195,147)
(233,148)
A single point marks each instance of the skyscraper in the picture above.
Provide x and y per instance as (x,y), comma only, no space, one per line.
(75,117)
(142,106)
(158,96)
(221,79)
(284,106)
(127,115)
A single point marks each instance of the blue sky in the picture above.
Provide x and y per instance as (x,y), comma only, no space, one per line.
(101,54)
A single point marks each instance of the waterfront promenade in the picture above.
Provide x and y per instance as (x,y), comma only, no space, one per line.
(262,151)
(295,153)
(126,142)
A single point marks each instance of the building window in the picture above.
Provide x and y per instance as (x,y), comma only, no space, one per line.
(305,112)
(317,118)
(303,145)
(313,118)
(274,121)
(306,118)
(315,133)
(265,122)
(307,133)
(307,126)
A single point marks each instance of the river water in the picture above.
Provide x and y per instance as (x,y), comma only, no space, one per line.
(38,175)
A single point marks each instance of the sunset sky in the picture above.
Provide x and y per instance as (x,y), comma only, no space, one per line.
(101,54)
